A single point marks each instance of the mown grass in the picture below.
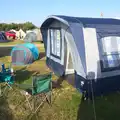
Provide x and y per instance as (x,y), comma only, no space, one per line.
(63,98)
(66,101)
(14,42)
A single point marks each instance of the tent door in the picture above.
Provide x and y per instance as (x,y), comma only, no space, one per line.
(69,63)
(18,57)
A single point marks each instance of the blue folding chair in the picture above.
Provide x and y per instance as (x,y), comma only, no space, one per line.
(6,78)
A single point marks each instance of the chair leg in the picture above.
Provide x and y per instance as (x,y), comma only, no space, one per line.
(9,86)
(33,113)
(27,99)
(0,91)
(4,89)
(40,105)
(50,98)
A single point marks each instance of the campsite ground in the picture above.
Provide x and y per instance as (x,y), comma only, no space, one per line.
(66,101)
(14,42)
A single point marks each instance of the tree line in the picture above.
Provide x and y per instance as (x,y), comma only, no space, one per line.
(15,26)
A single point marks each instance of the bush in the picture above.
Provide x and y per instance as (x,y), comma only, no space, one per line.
(15,26)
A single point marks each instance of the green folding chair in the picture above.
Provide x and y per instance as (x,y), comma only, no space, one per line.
(40,90)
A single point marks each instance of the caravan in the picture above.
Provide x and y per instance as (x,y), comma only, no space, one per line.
(89,48)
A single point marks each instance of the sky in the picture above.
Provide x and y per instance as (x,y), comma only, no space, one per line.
(36,11)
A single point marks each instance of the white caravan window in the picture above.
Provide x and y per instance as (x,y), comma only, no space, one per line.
(111,52)
(55,40)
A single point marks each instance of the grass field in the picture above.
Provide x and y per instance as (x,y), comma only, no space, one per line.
(14,42)
(66,101)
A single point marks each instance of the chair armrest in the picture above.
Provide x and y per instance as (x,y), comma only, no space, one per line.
(24,86)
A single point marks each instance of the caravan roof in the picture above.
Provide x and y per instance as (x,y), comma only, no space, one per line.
(83,20)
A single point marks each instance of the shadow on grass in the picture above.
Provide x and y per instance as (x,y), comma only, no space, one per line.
(41,55)
(23,75)
(58,82)
(5,110)
(106,108)
(5,51)
(69,78)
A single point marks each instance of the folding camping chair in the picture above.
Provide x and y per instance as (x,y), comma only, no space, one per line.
(41,87)
(6,78)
